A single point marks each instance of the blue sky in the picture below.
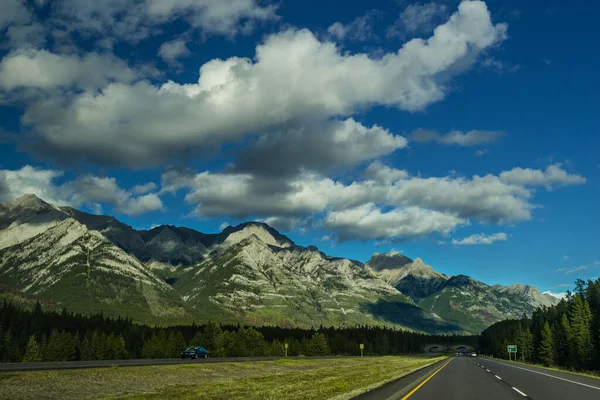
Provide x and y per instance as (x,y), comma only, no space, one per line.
(462,133)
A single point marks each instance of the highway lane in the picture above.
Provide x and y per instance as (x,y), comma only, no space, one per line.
(457,378)
(476,378)
(544,384)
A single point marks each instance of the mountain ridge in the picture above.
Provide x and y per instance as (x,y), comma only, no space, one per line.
(252,273)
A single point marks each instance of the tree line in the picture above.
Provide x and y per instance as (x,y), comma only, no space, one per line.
(565,335)
(36,334)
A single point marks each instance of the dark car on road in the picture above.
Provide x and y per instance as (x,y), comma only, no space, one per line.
(195,352)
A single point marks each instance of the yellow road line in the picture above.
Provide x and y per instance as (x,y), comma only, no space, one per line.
(425,381)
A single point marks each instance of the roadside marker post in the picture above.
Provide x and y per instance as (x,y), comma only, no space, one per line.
(512,348)
(362,346)
(286,347)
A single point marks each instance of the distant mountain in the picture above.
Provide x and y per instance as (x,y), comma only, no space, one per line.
(81,269)
(475,305)
(415,279)
(247,273)
(296,286)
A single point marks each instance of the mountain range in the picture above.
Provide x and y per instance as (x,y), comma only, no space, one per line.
(248,273)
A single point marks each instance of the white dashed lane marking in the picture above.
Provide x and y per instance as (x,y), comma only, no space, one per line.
(498,377)
(518,391)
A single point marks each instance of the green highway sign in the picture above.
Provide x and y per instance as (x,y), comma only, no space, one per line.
(512,348)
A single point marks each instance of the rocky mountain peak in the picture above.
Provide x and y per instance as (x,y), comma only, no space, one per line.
(388,261)
(235,234)
(463,281)
(29,202)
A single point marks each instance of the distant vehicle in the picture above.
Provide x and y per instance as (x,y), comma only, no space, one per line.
(473,354)
(194,352)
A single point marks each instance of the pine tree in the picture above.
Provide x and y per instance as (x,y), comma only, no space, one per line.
(547,345)
(179,344)
(528,345)
(86,350)
(561,341)
(10,347)
(2,345)
(32,351)
(210,336)
(580,339)
(317,345)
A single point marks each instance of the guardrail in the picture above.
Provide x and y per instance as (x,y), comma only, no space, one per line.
(37,366)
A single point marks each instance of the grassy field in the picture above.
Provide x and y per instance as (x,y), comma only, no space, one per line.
(282,379)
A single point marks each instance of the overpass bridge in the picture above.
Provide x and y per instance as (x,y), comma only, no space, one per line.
(444,348)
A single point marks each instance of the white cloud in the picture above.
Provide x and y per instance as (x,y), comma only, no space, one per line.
(470,138)
(377,171)
(87,189)
(294,78)
(14,12)
(144,188)
(97,208)
(565,257)
(325,238)
(359,30)
(31,68)
(171,51)
(596,262)
(368,222)
(481,239)
(134,20)
(553,175)
(317,147)
(283,223)
(452,199)
(572,270)
(417,19)
(559,296)
(223,226)
(22,36)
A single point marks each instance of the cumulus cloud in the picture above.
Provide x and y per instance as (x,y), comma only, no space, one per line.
(481,239)
(33,68)
(443,202)
(368,222)
(470,138)
(293,77)
(133,20)
(27,35)
(283,223)
(554,175)
(171,51)
(380,172)
(359,30)
(417,19)
(144,188)
(90,190)
(14,12)
(317,147)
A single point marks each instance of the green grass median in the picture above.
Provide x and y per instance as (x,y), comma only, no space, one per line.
(339,378)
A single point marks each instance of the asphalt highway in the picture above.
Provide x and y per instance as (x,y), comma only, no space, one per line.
(476,378)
